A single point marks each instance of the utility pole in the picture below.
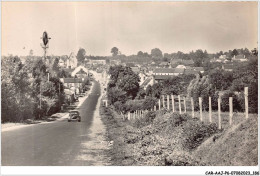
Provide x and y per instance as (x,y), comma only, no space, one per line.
(40,96)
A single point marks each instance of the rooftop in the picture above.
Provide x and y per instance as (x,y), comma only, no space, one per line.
(168,70)
(72,80)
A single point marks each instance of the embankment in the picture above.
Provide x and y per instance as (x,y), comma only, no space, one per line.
(164,138)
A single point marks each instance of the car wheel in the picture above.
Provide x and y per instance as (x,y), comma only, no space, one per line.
(68,120)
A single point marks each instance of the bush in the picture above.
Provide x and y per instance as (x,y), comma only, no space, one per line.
(149,103)
(196,132)
(148,119)
(225,101)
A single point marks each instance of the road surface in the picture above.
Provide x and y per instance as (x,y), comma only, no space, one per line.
(54,144)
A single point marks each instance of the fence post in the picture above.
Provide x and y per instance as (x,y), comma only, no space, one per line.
(172,103)
(154,108)
(219,115)
(200,103)
(184,102)
(159,102)
(230,110)
(163,101)
(179,98)
(192,107)
(106,103)
(246,102)
(210,110)
(128,116)
(168,102)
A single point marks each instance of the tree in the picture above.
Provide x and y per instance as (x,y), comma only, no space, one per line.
(234,52)
(114,51)
(124,79)
(220,79)
(165,59)
(156,53)
(115,94)
(55,66)
(199,57)
(140,53)
(81,56)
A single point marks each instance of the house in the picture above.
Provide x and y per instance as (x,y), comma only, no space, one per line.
(73,84)
(80,72)
(160,78)
(239,58)
(72,61)
(190,71)
(168,71)
(181,66)
(164,64)
(142,77)
(148,81)
(97,62)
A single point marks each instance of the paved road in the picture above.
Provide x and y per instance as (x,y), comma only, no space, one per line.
(51,144)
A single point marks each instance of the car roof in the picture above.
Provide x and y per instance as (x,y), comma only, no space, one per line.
(75,111)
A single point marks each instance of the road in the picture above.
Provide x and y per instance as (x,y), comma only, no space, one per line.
(53,144)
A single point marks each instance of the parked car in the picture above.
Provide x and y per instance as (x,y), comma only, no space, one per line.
(74,116)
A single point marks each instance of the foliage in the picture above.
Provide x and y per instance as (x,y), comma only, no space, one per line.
(25,87)
(141,94)
(146,120)
(114,51)
(220,79)
(156,53)
(125,80)
(115,94)
(149,103)
(196,132)
(81,56)
(247,76)
(200,87)
(199,57)
(225,101)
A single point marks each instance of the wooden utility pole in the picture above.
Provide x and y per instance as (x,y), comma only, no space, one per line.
(200,104)
(230,110)
(210,110)
(192,107)
(179,98)
(168,102)
(219,113)
(246,102)
(184,103)
(172,96)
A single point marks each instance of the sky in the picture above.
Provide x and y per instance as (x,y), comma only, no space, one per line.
(129,26)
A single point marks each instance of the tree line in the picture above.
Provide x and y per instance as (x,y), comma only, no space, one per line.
(30,90)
